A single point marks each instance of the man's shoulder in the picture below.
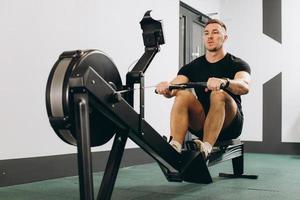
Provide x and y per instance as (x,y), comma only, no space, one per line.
(239,63)
(235,59)
(192,66)
(197,61)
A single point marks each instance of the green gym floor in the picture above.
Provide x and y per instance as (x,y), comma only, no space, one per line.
(279,178)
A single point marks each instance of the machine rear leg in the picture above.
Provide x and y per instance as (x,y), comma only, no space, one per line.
(112,167)
(238,165)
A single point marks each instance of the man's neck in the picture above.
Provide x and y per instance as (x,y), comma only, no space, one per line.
(215,56)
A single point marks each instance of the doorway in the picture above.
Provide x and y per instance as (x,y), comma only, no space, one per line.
(191,25)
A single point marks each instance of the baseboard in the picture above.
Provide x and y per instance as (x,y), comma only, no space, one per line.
(272,148)
(26,170)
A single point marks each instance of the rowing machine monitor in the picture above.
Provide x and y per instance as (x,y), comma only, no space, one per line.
(152,31)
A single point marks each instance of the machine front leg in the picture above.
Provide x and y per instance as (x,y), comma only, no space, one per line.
(84,156)
(112,167)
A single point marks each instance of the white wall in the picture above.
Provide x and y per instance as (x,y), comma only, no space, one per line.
(267,58)
(290,71)
(244,22)
(34,33)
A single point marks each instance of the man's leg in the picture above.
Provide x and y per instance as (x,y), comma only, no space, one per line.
(221,113)
(186,111)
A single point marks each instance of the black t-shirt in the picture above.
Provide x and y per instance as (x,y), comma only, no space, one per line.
(199,70)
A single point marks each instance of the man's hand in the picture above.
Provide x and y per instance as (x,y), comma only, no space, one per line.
(214,84)
(163,88)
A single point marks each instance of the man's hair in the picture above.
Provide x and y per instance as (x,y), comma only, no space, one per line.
(216,21)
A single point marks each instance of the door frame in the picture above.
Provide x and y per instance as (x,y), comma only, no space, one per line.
(188,15)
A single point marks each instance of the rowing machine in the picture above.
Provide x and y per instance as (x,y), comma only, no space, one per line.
(84,110)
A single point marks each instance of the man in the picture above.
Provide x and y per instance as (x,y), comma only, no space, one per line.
(215,114)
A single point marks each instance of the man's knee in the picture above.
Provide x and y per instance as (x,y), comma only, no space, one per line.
(186,99)
(218,96)
(185,95)
(223,98)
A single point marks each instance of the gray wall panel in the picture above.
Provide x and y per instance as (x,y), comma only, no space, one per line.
(272,122)
(272,19)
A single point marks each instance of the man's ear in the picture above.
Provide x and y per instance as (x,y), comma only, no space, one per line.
(225,37)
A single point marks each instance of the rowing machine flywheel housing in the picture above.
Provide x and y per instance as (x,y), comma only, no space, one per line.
(59,100)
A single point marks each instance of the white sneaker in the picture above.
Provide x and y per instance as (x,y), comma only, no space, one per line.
(201,148)
(176,145)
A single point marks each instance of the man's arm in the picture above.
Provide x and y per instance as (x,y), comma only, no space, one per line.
(240,84)
(163,87)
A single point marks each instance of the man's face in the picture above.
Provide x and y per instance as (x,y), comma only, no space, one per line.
(214,37)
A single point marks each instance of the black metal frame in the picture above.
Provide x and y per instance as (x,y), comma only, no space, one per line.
(188,166)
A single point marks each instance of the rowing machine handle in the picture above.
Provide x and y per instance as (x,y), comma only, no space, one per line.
(193,85)
(188,85)
(183,86)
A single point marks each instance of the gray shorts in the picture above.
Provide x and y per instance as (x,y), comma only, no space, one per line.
(233,131)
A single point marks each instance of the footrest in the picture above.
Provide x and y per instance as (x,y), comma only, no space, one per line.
(195,169)
(238,176)
(191,145)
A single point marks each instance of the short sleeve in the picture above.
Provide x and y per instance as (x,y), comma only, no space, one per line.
(241,65)
(184,70)
(187,70)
